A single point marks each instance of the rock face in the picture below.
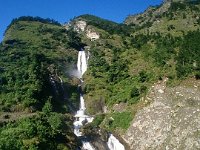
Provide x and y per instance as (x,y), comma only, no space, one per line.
(171,121)
(80,26)
(92,35)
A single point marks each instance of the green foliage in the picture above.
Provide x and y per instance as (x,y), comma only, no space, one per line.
(177,6)
(134,92)
(119,120)
(97,62)
(98,120)
(30,47)
(117,71)
(139,40)
(30,18)
(74,39)
(56,121)
(188,57)
(47,108)
(39,132)
(197,75)
(134,95)
(35,54)
(17,78)
(143,76)
(143,89)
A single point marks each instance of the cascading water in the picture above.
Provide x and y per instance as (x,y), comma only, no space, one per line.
(81,118)
(114,144)
(82,62)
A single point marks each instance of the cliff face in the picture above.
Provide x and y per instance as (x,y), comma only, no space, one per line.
(82,27)
(171,121)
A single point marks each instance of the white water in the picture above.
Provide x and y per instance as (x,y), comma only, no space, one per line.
(82,62)
(80,116)
(114,144)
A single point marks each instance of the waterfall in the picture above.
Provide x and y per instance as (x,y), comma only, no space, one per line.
(81,118)
(114,144)
(82,62)
(82,103)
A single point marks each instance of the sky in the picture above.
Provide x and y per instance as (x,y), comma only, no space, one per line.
(64,10)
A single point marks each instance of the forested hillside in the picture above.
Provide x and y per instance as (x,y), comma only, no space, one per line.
(35,55)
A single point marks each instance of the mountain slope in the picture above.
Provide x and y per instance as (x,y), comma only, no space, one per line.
(172,17)
(138,59)
(123,67)
(35,55)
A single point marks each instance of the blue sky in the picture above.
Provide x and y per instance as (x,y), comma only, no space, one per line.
(64,10)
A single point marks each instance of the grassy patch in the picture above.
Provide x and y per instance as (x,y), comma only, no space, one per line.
(119,120)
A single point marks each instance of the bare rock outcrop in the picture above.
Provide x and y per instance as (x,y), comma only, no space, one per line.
(171,121)
(92,35)
(81,26)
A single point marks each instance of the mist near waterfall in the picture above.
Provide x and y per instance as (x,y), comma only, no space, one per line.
(75,73)
(72,71)
(81,67)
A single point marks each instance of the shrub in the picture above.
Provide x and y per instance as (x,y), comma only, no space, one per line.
(134,92)
(143,76)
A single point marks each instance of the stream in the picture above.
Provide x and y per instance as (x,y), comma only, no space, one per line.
(81,118)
